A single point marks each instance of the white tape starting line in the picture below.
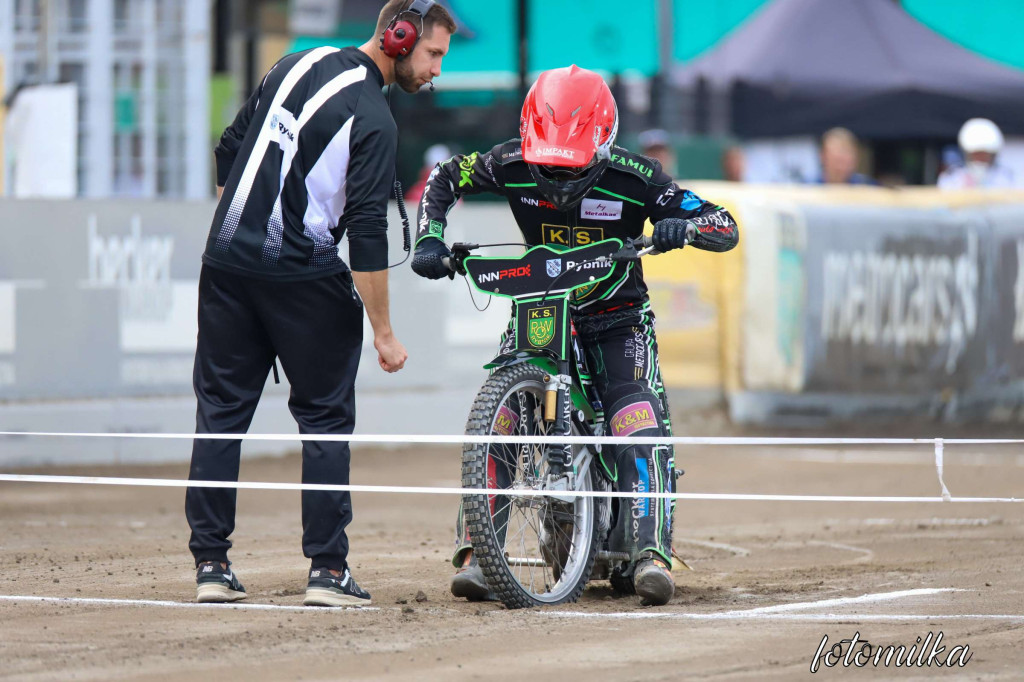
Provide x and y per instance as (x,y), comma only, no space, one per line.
(937,443)
(425,439)
(505,492)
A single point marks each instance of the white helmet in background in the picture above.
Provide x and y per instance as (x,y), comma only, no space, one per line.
(980,135)
(438,153)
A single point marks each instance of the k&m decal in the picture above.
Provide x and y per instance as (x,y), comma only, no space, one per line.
(633,418)
(506,421)
(541,328)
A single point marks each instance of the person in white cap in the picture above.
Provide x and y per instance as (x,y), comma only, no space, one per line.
(981,141)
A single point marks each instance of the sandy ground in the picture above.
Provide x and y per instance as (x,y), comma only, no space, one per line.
(961,562)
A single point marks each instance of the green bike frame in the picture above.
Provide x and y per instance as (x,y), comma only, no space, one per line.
(539,283)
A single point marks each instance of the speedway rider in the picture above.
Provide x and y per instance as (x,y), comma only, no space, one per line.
(568,185)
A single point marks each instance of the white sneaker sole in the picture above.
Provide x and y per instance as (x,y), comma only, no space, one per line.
(318,596)
(214,593)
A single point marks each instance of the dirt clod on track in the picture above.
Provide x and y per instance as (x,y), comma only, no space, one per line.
(746,611)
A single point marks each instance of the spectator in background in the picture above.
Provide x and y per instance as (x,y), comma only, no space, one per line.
(734,164)
(434,155)
(839,159)
(981,141)
(950,158)
(656,144)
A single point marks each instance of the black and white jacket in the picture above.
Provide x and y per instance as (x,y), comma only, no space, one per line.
(308,159)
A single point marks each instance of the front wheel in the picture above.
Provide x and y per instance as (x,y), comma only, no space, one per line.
(533,550)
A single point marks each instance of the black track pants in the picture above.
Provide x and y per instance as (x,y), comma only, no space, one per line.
(316,328)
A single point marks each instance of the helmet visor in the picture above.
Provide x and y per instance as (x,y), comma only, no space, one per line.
(565,173)
(565,187)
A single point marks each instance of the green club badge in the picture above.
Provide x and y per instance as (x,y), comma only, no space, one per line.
(436,229)
(584,291)
(541,327)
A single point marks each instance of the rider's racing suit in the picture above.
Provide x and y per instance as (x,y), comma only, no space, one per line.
(614,320)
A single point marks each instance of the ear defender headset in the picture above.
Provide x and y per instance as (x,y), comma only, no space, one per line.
(400,37)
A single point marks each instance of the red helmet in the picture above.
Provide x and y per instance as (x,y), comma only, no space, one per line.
(568,126)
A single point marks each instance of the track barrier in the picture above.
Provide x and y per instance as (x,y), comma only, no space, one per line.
(938,445)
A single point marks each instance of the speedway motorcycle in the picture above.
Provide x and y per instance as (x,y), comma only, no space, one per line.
(540,550)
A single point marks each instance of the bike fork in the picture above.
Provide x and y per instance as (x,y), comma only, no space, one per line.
(558,411)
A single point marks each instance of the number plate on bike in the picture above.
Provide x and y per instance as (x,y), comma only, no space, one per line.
(540,325)
(543,270)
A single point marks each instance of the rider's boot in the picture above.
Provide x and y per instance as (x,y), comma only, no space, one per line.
(621,579)
(469,583)
(653,580)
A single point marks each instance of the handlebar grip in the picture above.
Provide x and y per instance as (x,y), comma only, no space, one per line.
(646,241)
(447,262)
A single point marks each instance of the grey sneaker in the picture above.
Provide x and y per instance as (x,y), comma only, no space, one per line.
(216,584)
(653,581)
(469,582)
(326,589)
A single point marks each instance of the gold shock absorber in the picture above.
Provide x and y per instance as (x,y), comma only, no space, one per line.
(550,405)
(550,399)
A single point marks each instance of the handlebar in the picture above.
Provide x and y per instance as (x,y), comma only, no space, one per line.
(460,250)
(646,244)
(631,250)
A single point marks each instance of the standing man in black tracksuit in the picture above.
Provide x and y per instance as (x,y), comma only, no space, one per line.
(309,159)
(568,185)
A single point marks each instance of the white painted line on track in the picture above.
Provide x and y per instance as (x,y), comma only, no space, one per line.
(847,601)
(934,521)
(781,611)
(852,457)
(178,604)
(738,551)
(865,554)
(750,614)
(775,617)
(891,457)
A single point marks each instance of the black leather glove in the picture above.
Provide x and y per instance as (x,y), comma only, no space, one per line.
(672,233)
(427,260)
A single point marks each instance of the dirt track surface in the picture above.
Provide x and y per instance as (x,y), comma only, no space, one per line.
(129,543)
